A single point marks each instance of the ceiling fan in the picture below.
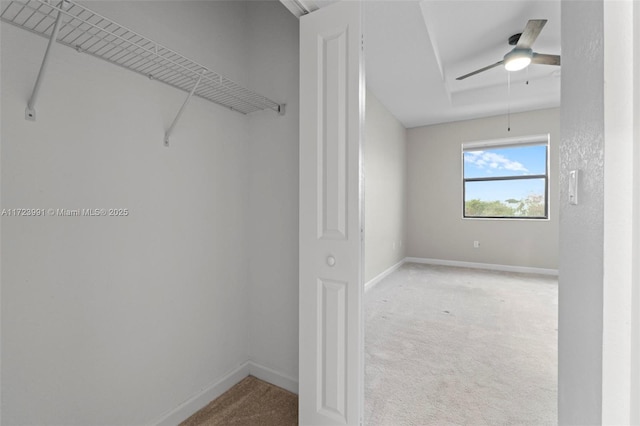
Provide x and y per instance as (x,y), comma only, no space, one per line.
(521,55)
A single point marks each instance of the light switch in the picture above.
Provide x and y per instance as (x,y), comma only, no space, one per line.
(573,187)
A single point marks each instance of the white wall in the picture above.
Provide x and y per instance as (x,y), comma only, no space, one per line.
(619,402)
(385,189)
(436,229)
(581,227)
(273,212)
(635,344)
(119,320)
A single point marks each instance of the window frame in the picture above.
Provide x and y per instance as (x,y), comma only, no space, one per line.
(522,141)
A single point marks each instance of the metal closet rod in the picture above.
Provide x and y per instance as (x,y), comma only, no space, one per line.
(76,26)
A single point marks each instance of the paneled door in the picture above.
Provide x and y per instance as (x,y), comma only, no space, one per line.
(331,129)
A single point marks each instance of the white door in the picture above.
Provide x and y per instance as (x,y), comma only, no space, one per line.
(331,128)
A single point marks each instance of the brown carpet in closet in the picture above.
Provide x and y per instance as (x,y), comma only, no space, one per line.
(248,403)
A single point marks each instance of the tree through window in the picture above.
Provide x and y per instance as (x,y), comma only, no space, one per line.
(506,178)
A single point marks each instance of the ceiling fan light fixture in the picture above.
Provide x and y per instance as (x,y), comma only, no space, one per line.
(517,59)
(522,55)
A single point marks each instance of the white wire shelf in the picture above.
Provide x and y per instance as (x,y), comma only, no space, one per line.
(89,32)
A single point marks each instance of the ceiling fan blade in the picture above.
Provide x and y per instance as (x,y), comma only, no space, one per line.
(544,59)
(480,70)
(530,33)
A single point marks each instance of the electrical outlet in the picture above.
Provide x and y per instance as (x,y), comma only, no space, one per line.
(476,244)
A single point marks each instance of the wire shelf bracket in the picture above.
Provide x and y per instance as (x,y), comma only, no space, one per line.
(167,135)
(30,111)
(73,25)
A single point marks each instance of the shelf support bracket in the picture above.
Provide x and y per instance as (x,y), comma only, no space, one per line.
(168,133)
(30,112)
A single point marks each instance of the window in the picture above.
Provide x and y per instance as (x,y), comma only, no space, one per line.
(506,178)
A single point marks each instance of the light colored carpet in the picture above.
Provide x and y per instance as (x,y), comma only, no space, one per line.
(251,402)
(456,346)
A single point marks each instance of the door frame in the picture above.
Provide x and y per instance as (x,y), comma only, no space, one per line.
(621,286)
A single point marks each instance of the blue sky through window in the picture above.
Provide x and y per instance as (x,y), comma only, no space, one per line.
(512,161)
(503,162)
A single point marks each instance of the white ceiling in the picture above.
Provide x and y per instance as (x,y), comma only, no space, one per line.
(415,50)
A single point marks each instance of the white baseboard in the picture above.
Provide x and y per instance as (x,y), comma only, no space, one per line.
(274,377)
(372,282)
(202,398)
(490,266)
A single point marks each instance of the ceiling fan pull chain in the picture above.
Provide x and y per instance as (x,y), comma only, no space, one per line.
(508,101)
(527,76)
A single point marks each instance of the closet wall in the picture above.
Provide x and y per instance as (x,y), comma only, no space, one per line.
(119,320)
(273,212)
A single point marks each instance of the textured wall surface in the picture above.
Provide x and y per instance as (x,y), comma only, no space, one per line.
(436,229)
(581,226)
